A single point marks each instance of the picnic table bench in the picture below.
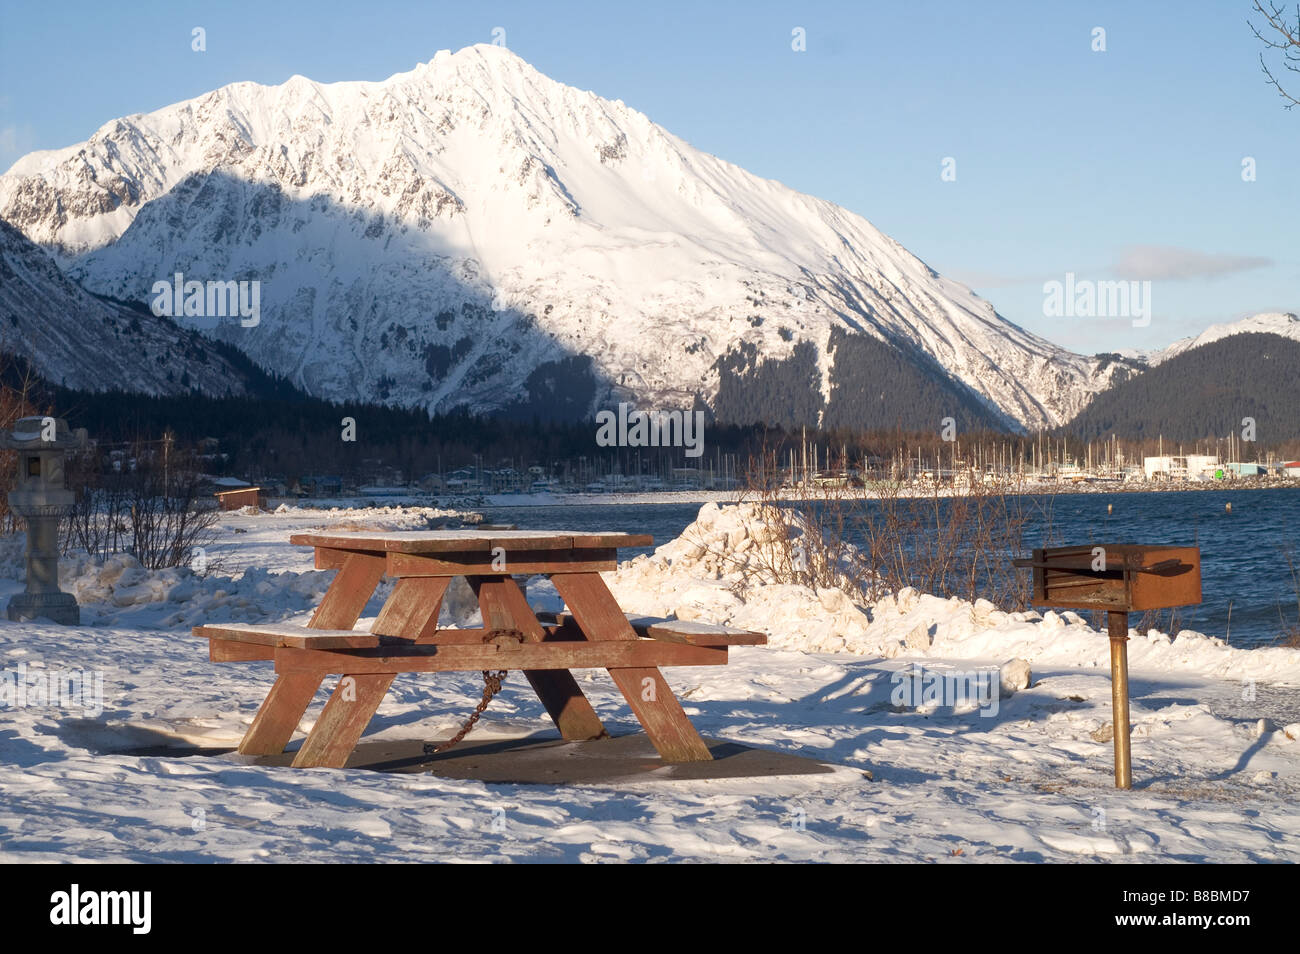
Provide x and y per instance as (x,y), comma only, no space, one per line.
(593,633)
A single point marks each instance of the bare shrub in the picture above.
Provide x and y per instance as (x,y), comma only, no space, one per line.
(147,501)
(1290,637)
(871,538)
(1167,621)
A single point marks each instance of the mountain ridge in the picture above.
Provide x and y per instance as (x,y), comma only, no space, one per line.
(1286,324)
(1205,391)
(439,236)
(77,339)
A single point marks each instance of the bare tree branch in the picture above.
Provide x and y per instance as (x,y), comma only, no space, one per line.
(1289,45)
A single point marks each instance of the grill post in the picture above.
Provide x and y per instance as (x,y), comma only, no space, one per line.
(1117,626)
(1118,578)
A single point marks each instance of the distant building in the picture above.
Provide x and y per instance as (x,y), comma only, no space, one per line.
(687,478)
(506,480)
(239,498)
(1181,467)
(1164,468)
(320,485)
(463,480)
(1244,469)
(229,483)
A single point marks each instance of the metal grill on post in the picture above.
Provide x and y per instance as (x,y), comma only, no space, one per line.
(1118,578)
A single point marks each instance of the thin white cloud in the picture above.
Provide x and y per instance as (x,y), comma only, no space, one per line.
(1167,263)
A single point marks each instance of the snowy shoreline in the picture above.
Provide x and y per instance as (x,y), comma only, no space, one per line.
(1024,777)
(619,498)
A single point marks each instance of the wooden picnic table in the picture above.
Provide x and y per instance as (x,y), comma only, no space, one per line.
(405,638)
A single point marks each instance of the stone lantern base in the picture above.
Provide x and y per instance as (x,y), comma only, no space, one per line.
(61,608)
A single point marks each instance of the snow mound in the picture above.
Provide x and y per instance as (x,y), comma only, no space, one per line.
(726,568)
(119,591)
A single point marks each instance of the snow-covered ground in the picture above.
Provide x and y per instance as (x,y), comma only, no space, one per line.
(1020,774)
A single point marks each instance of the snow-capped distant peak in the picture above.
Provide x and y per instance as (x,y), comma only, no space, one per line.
(1286,324)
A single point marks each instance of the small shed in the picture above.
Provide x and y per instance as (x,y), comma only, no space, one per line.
(239,498)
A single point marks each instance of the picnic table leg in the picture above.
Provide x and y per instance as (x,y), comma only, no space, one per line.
(599,617)
(285,704)
(349,593)
(346,715)
(412,609)
(504,606)
(280,713)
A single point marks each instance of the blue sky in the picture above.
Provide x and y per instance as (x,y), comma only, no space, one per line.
(1125,163)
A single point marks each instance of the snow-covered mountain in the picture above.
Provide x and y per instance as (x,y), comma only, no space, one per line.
(472,232)
(73,338)
(1271,322)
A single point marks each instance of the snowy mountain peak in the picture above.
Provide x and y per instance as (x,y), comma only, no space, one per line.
(456,233)
(1281,323)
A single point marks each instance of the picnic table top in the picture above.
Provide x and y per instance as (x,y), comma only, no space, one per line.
(461,541)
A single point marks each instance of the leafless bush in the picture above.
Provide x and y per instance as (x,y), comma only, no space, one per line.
(1167,621)
(1290,636)
(147,502)
(955,539)
(951,538)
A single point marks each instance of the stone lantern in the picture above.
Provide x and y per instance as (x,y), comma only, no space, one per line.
(41,497)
